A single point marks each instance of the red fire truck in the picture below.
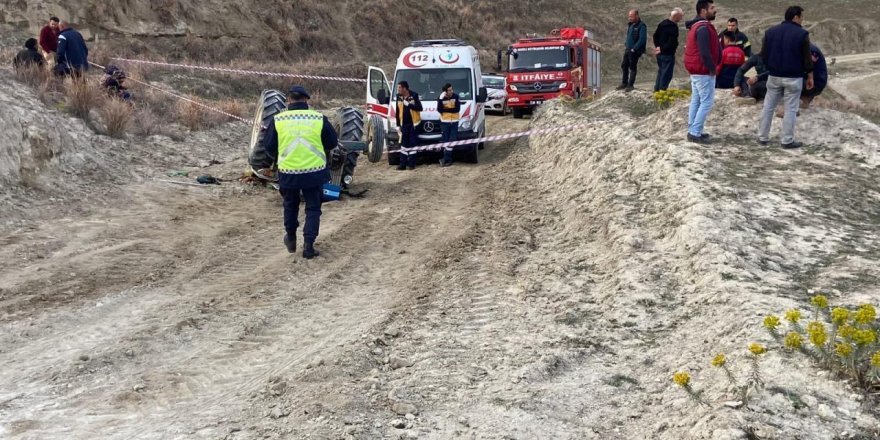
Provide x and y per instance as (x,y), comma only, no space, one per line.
(540,68)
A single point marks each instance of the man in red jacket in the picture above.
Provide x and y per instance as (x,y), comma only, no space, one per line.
(701,56)
(731,58)
(49,38)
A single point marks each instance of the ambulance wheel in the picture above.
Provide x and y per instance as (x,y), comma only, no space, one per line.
(472,155)
(517,113)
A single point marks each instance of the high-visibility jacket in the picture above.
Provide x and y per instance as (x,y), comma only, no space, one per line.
(300,150)
(449,108)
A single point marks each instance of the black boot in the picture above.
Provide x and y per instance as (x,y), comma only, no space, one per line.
(309,251)
(290,242)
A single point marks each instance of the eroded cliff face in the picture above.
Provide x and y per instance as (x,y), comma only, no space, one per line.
(370,31)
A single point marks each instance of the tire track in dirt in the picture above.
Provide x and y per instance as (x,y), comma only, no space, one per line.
(203,344)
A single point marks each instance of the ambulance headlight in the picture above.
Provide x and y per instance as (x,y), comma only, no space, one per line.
(466,123)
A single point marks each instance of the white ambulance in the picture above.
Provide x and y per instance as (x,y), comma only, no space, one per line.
(427,65)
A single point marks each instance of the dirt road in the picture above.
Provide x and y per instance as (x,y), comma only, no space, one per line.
(169,316)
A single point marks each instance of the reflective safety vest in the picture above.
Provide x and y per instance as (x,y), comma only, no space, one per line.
(448,104)
(300,150)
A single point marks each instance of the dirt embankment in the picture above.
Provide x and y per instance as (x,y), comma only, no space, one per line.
(548,292)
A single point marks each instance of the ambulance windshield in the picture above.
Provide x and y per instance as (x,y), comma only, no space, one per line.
(525,59)
(428,83)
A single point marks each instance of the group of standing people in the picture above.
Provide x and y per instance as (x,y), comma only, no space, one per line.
(61,47)
(790,69)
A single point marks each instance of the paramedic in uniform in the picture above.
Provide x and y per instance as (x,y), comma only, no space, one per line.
(300,141)
(409,109)
(449,105)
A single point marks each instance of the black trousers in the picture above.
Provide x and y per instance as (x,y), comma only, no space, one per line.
(630,67)
(312,197)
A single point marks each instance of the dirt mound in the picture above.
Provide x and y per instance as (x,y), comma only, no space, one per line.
(687,247)
(49,158)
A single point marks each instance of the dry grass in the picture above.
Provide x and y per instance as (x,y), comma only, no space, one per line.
(33,76)
(195,117)
(117,116)
(81,96)
(146,123)
(191,115)
(870,112)
(233,107)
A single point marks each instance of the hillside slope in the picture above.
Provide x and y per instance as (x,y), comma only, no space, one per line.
(373,31)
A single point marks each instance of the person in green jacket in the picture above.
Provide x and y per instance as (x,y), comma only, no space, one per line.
(636,39)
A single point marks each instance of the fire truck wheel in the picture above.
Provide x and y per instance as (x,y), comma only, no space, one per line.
(517,113)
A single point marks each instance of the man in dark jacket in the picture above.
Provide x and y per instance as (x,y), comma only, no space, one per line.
(702,54)
(72,57)
(665,45)
(739,39)
(49,38)
(786,52)
(755,86)
(300,141)
(820,77)
(28,57)
(409,114)
(449,106)
(636,40)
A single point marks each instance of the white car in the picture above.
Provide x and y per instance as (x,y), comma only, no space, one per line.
(496,86)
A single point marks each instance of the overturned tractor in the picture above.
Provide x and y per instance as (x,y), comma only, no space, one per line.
(348,124)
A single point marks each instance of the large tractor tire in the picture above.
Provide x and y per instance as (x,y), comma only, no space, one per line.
(270,104)
(350,127)
(350,124)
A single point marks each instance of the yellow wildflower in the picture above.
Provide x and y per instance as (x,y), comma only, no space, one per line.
(771,322)
(681,378)
(875,360)
(793,340)
(864,337)
(757,349)
(847,331)
(793,315)
(719,361)
(839,315)
(820,301)
(817,333)
(843,349)
(865,314)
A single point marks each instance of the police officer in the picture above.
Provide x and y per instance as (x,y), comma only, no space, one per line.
(300,141)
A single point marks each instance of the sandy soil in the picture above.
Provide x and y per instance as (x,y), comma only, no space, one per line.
(548,292)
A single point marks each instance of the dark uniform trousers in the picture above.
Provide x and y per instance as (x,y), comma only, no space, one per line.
(312,197)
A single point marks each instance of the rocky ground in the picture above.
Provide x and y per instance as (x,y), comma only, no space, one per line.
(548,292)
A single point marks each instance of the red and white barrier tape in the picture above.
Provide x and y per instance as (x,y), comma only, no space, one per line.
(242,71)
(438,146)
(497,137)
(184,98)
